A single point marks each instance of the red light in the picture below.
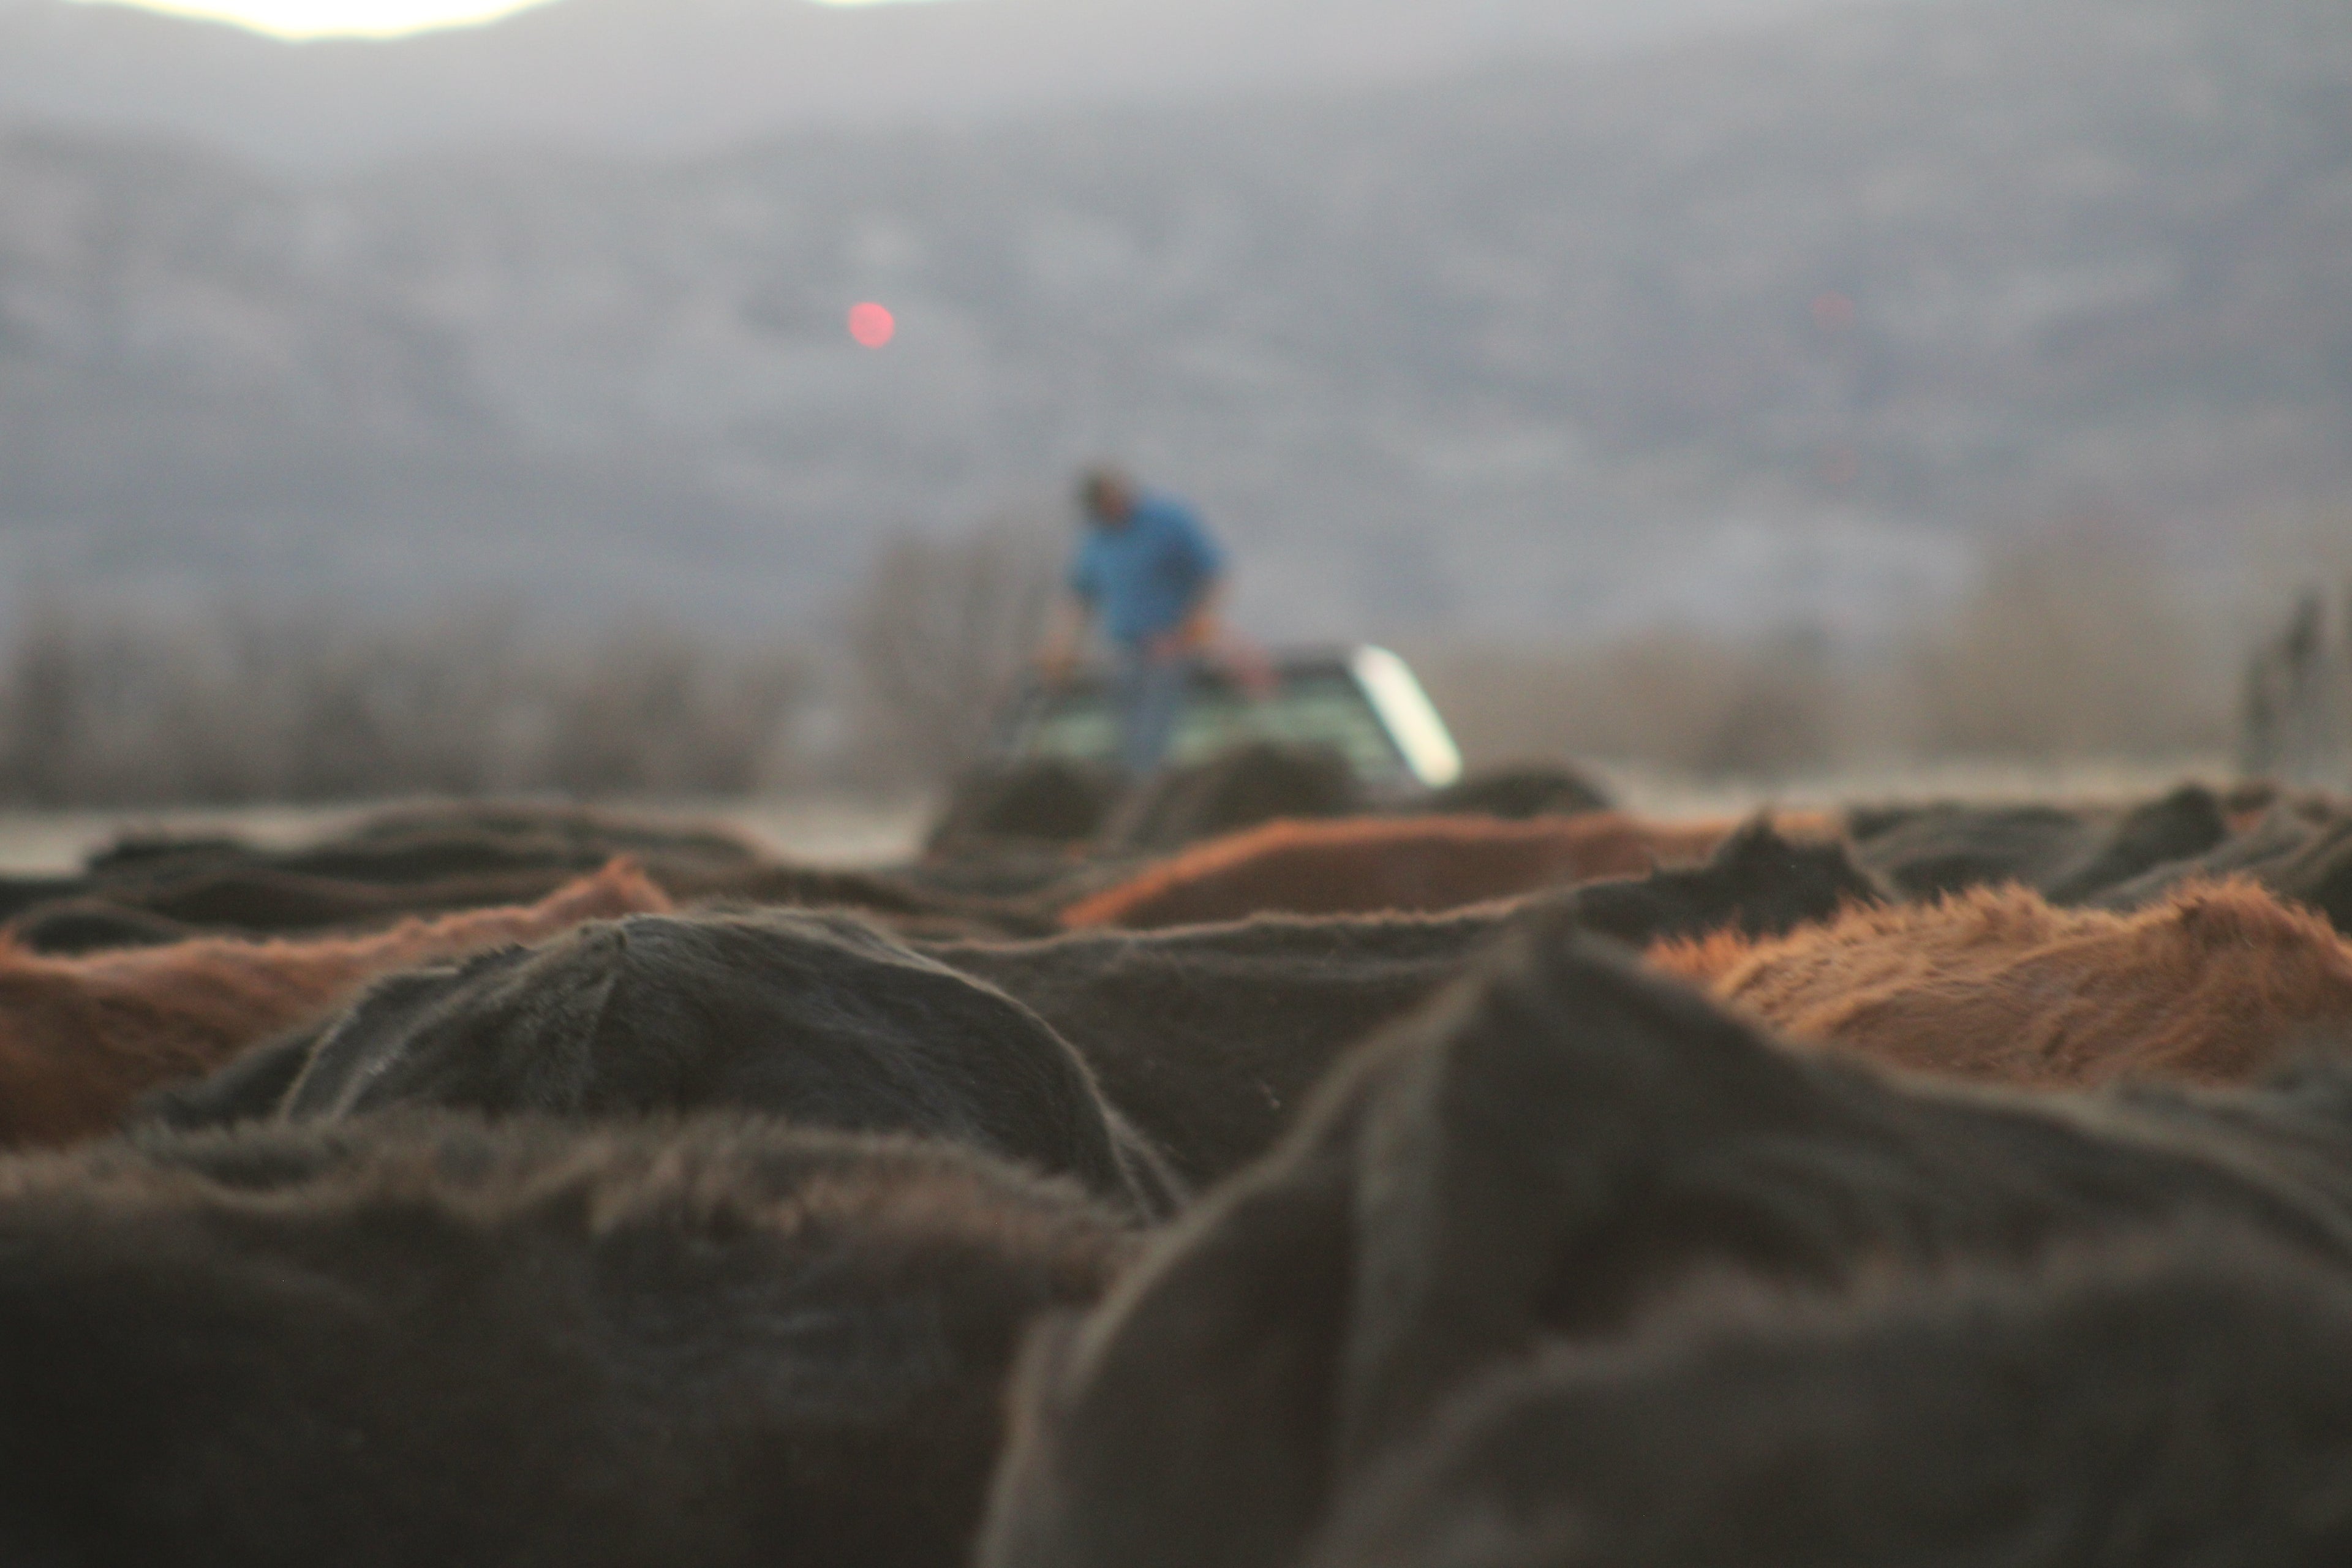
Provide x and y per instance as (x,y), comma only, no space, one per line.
(872,325)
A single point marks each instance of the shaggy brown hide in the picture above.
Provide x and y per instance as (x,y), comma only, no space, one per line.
(80,1038)
(1367,865)
(2215,984)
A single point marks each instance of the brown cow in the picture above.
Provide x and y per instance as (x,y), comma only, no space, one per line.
(718,1343)
(81,1037)
(1367,865)
(2213,985)
(1547,1155)
(2182,1398)
(1208,1036)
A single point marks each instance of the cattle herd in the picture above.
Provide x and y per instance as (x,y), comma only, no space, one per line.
(1235,1177)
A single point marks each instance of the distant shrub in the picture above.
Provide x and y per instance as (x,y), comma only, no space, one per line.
(1680,699)
(2071,646)
(938,637)
(242,705)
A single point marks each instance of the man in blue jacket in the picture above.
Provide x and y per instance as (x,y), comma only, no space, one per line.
(1150,573)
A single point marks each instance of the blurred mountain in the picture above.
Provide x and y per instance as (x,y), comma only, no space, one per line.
(667,77)
(1745,331)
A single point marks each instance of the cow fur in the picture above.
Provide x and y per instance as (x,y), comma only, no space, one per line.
(914,901)
(2319,874)
(2069,854)
(80,1038)
(1209,1037)
(260,901)
(77,926)
(2218,983)
(1518,792)
(2255,850)
(1759,881)
(2173,1401)
(714,1345)
(1038,801)
(2186,823)
(817,1018)
(1239,787)
(1366,865)
(1923,852)
(431,843)
(1552,1148)
(2293,852)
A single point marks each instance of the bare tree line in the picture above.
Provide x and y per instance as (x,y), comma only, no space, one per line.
(938,638)
(246,705)
(2069,648)
(2296,709)
(102,706)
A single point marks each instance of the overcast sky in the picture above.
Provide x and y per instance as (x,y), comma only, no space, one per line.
(313,19)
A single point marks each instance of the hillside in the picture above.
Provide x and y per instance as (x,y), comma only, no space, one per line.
(674,76)
(1762,330)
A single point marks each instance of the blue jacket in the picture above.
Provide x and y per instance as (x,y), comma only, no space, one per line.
(1148,576)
